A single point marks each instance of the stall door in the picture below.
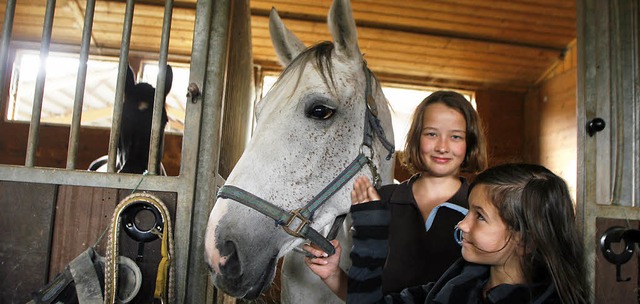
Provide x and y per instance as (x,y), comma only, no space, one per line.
(609,145)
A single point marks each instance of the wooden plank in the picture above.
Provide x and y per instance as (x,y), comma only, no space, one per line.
(521,23)
(82,215)
(503,117)
(493,13)
(303,28)
(25,231)
(524,13)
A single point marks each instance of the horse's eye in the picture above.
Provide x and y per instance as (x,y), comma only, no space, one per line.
(321,112)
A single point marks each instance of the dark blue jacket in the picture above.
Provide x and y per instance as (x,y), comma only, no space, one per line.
(461,283)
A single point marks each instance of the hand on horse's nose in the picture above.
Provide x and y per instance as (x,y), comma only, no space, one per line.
(230,263)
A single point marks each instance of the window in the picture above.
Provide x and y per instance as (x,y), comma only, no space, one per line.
(99,95)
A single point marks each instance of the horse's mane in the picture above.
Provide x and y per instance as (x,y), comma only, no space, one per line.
(321,52)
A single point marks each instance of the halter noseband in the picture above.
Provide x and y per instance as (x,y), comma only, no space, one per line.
(296,222)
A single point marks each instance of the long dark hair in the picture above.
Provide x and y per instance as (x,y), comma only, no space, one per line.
(536,203)
(475,159)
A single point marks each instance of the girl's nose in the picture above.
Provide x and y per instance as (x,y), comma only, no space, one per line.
(442,146)
(464,225)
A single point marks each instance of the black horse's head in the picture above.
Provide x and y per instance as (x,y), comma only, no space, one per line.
(135,127)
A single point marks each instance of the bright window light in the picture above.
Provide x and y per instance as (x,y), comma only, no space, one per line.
(59,89)
(100,88)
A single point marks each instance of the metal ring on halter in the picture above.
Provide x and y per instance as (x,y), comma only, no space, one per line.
(377,180)
(361,151)
(457,235)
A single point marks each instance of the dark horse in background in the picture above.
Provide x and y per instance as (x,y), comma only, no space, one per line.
(132,154)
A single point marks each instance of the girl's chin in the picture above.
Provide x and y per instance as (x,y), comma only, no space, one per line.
(467,252)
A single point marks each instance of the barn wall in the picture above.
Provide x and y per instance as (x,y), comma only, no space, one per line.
(52,146)
(502,115)
(239,93)
(46,226)
(551,120)
(26,224)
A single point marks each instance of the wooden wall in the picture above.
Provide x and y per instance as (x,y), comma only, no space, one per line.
(25,234)
(551,120)
(43,227)
(53,141)
(502,116)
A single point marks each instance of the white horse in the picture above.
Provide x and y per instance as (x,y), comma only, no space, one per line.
(325,121)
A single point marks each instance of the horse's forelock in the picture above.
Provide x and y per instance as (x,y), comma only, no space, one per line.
(321,52)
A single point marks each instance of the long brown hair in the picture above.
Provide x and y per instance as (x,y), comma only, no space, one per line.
(536,203)
(475,159)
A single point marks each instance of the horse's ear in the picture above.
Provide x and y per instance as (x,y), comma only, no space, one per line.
(343,28)
(130,82)
(286,44)
(168,80)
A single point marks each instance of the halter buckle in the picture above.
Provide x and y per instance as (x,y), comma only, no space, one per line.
(300,221)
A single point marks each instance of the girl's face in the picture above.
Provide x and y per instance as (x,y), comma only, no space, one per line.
(486,238)
(443,142)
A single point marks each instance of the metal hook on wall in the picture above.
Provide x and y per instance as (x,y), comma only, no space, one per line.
(618,234)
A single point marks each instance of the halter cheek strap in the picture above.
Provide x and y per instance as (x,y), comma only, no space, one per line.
(372,126)
(296,222)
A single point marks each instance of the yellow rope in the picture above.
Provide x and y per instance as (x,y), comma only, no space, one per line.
(166,271)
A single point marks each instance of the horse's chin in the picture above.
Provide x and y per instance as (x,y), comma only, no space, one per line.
(247,290)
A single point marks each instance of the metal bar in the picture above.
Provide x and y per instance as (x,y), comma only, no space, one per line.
(7,29)
(205,187)
(92,179)
(122,72)
(158,104)
(74,134)
(189,158)
(36,112)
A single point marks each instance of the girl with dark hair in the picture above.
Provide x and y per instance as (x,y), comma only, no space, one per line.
(519,243)
(444,140)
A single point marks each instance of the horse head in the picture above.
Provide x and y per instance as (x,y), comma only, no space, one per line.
(324,114)
(135,129)
(132,154)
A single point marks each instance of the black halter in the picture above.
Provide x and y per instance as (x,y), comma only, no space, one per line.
(296,222)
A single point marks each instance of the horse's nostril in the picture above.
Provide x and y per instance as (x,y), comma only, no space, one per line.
(230,263)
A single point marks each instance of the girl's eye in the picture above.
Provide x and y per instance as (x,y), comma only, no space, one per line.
(457,137)
(480,217)
(429,134)
(320,112)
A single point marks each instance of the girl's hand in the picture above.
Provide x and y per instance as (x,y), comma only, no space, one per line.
(328,268)
(324,266)
(363,191)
